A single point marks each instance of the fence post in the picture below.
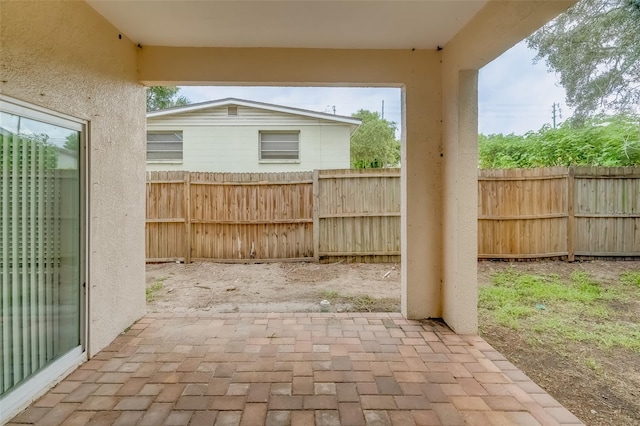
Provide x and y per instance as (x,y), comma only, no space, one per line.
(316,215)
(571,219)
(187,217)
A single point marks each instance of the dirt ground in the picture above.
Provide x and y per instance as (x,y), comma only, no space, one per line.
(270,287)
(609,395)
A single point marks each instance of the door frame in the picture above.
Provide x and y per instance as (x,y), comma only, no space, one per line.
(37,385)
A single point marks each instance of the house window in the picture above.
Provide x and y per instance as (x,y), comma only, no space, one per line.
(164,146)
(279,145)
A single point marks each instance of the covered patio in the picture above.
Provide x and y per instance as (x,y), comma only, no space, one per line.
(82,67)
(295,369)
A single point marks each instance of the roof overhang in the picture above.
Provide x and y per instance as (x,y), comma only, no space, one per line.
(351,121)
(317,24)
(319,42)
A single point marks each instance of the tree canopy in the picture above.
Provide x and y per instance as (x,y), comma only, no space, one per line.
(601,141)
(162,97)
(374,144)
(594,47)
(72,142)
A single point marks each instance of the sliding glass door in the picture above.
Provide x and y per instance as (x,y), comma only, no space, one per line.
(41,247)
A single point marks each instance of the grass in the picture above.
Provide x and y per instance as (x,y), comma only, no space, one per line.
(631,278)
(593,364)
(154,288)
(546,307)
(362,303)
(330,295)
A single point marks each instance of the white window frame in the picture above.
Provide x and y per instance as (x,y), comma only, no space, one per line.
(278,160)
(166,160)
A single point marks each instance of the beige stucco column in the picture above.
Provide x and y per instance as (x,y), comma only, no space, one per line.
(460,200)
(498,26)
(421,219)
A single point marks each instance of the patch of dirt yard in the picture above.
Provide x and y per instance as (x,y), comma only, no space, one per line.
(599,385)
(273,287)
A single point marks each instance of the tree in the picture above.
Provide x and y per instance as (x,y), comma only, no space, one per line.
(374,144)
(162,97)
(72,142)
(595,49)
(609,141)
(500,151)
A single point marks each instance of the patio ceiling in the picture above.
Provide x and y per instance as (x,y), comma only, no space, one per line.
(392,24)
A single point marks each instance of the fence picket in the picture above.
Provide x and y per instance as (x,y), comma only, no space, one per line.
(329,215)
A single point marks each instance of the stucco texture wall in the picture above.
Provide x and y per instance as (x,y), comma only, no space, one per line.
(65,57)
(498,26)
(417,72)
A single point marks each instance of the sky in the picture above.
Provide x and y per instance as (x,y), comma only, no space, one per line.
(514,95)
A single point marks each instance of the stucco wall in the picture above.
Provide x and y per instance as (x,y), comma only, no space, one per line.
(460,200)
(417,72)
(65,57)
(498,26)
(439,149)
(439,126)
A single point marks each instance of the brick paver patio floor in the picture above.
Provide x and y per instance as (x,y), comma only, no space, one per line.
(298,369)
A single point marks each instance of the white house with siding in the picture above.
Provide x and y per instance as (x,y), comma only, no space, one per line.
(235,135)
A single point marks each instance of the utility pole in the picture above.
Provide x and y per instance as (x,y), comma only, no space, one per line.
(556,113)
(383,109)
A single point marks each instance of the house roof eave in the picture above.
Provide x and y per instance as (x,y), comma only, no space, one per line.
(253,104)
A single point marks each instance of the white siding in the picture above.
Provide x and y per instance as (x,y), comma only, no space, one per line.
(246,116)
(233,144)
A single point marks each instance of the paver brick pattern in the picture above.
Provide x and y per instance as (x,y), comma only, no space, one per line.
(295,369)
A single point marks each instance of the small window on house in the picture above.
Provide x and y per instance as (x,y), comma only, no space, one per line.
(232,110)
(164,146)
(279,145)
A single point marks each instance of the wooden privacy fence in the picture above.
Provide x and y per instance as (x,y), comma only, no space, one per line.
(357,215)
(244,217)
(229,216)
(329,215)
(559,212)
